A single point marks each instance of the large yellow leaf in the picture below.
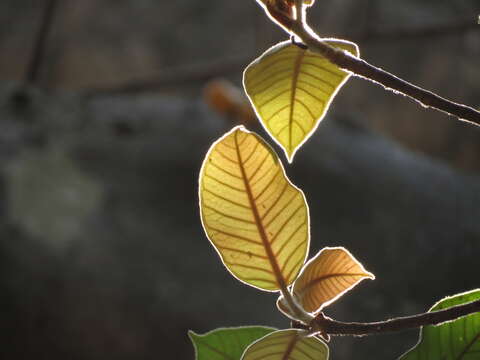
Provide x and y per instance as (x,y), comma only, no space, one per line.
(326,277)
(291,90)
(256,219)
(286,345)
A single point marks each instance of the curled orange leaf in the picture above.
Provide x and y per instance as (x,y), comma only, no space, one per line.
(256,219)
(326,277)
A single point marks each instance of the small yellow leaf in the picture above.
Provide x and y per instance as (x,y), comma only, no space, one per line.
(326,277)
(291,90)
(288,344)
(255,218)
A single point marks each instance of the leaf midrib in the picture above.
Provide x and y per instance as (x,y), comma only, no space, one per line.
(290,347)
(315,281)
(295,75)
(258,221)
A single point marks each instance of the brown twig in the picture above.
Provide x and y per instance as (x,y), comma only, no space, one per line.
(325,325)
(369,72)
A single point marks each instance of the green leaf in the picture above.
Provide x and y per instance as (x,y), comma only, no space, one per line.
(288,344)
(291,90)
(226,343)
(455,340)
(256,219)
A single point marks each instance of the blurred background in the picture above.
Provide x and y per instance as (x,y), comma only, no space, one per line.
(107,109)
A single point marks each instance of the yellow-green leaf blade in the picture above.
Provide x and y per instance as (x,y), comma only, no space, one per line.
(291,90)
(287,345)
(256,219)
(226,343)
(326,277)
(454,340)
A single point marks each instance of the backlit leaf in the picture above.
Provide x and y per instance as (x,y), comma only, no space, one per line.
(455,340)
(255,218)
(326,277)
(226,343)
(287,345)
(291,90)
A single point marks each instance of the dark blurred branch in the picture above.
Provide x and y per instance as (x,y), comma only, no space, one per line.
(188,75)
(185,75)
(38,52)
(325,325)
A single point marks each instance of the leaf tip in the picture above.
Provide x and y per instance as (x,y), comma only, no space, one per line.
(290,152)
(289,156)
(192,335)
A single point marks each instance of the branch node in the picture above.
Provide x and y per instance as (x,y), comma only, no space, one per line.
(299,44)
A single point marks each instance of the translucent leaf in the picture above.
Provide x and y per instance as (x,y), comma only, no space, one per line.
(455,340)
(326,277)
(255,218)
(226,343)
(291,89)
(287,345)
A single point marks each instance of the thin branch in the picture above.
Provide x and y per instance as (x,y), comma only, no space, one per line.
(367,71)
(182,75)
(325,325)
(38,52)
